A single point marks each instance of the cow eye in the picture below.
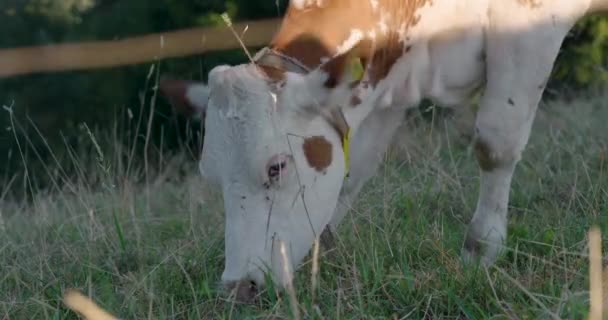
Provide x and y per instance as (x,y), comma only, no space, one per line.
(274,170)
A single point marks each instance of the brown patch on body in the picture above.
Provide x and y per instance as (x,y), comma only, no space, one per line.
(314,33)
(409,9)
(308,48)
(389,48)
(318,152)
(384,59)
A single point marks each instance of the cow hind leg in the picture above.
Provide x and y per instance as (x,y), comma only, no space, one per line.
(518,66)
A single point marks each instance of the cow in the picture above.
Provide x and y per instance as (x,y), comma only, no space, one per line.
(292,135)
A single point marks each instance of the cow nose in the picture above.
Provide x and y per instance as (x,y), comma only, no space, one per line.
(244,291)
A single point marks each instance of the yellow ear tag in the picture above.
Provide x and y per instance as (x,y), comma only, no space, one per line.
(346,148)
(356,69)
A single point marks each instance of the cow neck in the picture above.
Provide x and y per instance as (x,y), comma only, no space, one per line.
(375,58)
(315,35)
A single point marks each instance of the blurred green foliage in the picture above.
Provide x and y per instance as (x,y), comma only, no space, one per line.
(117,100)
(582,60)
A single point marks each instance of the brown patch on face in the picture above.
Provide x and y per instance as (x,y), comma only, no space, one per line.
(484,156)
(318,152)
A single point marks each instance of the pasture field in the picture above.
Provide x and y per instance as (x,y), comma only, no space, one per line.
(154,250)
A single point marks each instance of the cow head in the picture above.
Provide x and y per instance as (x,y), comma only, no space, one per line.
(274,149)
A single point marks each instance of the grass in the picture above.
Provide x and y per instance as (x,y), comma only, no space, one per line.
(155,250)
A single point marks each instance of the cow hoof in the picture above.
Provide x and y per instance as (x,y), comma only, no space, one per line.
(243,291)
(483,249)
(327,240)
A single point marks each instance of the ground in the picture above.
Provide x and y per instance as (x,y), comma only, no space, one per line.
(156,251)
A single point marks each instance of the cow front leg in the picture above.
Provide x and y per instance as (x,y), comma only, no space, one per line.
(502,129)
(518,66)
(368,146)
(487,230)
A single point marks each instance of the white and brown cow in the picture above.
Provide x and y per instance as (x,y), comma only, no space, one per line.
(277,129)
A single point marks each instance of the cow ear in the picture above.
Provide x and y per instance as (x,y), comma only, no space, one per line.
(315,91)
(189,98)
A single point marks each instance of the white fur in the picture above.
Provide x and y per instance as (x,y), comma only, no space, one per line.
(383,22)
(371,34)
(374,4)
(303,4)
(299,4)
(355,36)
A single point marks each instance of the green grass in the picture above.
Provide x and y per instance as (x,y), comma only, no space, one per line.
(155,251)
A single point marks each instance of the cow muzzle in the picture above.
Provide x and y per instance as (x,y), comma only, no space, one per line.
(242,291)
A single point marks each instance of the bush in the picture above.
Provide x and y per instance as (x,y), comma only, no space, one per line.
(581,62)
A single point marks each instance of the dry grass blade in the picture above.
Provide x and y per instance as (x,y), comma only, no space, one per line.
(85,306)
(595,274)
(315,269)
(605,290)
(528,293)
(228,22)
(289,283)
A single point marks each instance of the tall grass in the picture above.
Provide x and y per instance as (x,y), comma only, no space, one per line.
(147,242)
